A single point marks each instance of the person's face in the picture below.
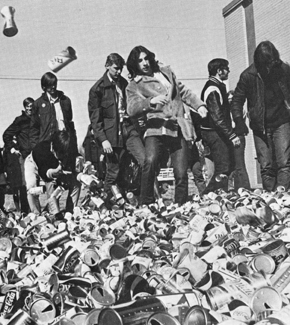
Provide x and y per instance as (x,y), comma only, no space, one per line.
(144,64)
(224,73)
(52,90)
(28,110)
(114,71)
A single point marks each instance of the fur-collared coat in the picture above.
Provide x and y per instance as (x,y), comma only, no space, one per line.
(163,117)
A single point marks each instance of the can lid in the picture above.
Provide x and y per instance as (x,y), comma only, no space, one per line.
(90,257)
(42,311)
(104,296)
(264,298)
(214,208)
(263,262)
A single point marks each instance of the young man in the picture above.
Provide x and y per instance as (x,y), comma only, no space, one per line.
(49,161)
(111,125)
(154,92)
(216,128)
(265,85)
(53,112)
(20,138)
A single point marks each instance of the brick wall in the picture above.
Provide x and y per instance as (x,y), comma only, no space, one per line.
(237,53)
(272,22)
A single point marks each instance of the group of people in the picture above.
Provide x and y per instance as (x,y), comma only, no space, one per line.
(153,116)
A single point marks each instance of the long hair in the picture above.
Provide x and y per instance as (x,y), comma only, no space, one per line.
(132,61)
(265,54)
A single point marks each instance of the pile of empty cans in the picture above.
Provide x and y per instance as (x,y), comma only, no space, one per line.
(218,259)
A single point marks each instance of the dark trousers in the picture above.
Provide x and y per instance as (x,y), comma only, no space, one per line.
(273,153)
(154,146)
(135,147)
(222,152)
(195,164)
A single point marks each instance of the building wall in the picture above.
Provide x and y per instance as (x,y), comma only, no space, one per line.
(237,53)
(272,23)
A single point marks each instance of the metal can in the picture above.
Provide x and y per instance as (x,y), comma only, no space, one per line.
(57,240)
(21,318)
(276,249)
(231,246)
(79,164)
(116,192)
(90,257)
(263,262)
(37,190)
(57,192)
(265,298)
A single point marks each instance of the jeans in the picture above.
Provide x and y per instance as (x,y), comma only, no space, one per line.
(154,146)
(241,177)
(32,180)
(135,147)
(273,154)
(222,153)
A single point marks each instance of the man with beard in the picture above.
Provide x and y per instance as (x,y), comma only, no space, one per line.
(265,85)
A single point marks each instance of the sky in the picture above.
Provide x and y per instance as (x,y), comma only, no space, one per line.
(186,34)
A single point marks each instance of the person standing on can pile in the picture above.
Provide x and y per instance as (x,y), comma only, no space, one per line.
(216,128)
(49,160)
(112,127)
(155,92)
(20,138)
(53,112)
(265,85)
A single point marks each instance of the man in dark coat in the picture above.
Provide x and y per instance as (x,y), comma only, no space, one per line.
(265,85)
(111,125)
(20,138)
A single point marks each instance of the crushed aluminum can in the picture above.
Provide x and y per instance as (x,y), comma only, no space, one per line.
(67,260)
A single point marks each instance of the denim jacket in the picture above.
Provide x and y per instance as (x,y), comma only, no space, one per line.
(251,88)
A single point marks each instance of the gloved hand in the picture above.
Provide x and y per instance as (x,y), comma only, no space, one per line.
(241,127)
